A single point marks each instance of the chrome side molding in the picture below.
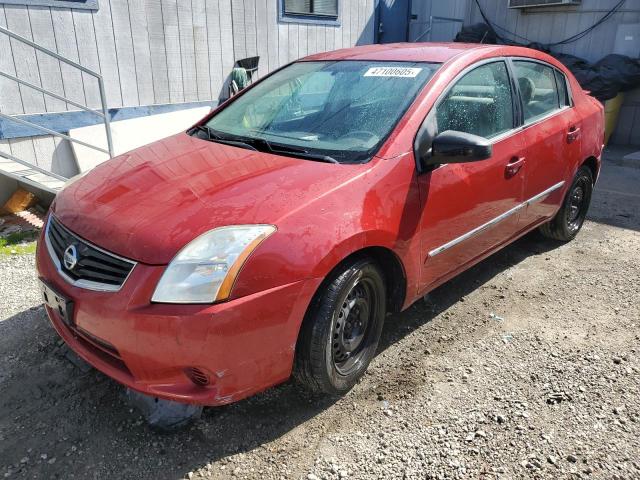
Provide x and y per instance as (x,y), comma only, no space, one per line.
(472,233)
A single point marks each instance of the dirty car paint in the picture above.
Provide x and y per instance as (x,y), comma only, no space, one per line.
(149,203)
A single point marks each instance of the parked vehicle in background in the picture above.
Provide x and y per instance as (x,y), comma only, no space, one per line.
(273,237)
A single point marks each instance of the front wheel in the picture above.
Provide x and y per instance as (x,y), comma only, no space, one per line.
(341,330)
(569,219)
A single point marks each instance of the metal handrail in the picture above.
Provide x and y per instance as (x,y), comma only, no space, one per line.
(33,167)
(54,95)
(103,99)
(52,132)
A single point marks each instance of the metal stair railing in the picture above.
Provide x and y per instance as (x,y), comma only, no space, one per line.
(24,171)
(102,112)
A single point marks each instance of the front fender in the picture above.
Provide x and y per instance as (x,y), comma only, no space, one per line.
(381,209)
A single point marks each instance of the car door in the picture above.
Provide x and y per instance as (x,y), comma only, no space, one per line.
(551,134)
(469,208)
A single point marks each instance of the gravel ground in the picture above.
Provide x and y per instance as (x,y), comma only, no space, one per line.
(525,366)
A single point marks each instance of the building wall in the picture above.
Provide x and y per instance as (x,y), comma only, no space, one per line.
(151,52)
(548,25)
(421,29)
(7,187)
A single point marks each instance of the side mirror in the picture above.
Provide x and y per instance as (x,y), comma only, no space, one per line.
(459,147)
(448,147)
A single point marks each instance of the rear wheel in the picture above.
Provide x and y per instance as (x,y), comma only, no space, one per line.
(569,219)
(341,330)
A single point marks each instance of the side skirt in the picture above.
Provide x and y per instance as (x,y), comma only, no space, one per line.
(476,260)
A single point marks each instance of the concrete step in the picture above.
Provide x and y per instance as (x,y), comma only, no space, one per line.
(32,175)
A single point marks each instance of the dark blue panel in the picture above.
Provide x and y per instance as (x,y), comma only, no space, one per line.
(394,21)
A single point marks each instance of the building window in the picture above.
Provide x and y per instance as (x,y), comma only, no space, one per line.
(309,11)
(318,8)
(77,4)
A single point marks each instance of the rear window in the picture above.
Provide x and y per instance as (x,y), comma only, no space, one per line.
(563,91)
(538,89)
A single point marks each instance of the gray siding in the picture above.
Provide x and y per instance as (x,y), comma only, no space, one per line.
(548,25)
(544,25)
(152,51)
(442,30)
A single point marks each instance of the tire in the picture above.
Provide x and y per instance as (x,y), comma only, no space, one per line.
(341,330)
(568,221)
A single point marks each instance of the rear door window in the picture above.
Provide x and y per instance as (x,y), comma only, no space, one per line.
(563,91)
(537,89)
(479,103)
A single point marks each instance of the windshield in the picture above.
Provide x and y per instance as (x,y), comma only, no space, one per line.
(340,111)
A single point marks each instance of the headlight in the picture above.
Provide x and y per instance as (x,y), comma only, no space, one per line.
(204,271)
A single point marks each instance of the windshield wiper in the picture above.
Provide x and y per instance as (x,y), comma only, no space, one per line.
(318,157)
(262,145)
(292,151)
(214,137)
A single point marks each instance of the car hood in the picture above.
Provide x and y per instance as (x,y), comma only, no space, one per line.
(148,203)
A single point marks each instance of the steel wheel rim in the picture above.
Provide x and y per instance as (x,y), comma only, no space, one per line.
(352,325)
(577,202)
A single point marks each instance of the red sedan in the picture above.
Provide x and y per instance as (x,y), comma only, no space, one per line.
(273,237)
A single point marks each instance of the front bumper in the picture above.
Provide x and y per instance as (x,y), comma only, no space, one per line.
(244,345)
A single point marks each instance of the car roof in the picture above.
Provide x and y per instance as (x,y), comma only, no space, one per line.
(406,52)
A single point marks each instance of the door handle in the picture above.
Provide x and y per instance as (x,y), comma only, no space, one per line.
(514,166)
(573,134)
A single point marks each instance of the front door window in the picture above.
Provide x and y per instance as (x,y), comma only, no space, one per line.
(479,103)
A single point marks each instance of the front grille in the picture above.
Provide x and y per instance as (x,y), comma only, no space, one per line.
(94,269)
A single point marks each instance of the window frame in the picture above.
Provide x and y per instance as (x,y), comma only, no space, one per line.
(552,113)
(567,88)
(516,105)
(76,5)
(518,119)
(429,120)
(313,19)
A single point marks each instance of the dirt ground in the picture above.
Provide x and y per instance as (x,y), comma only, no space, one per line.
(527,365)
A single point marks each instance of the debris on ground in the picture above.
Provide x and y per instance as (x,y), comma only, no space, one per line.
(19,230)
(557,397)
(163,415)
(20,200)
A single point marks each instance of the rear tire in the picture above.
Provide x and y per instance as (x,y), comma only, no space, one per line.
(568,221)
(340,333)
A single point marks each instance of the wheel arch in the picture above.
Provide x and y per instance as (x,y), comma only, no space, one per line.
(592,164)
(392,268)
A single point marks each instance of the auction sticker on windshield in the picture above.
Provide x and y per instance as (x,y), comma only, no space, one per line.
(392,72)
